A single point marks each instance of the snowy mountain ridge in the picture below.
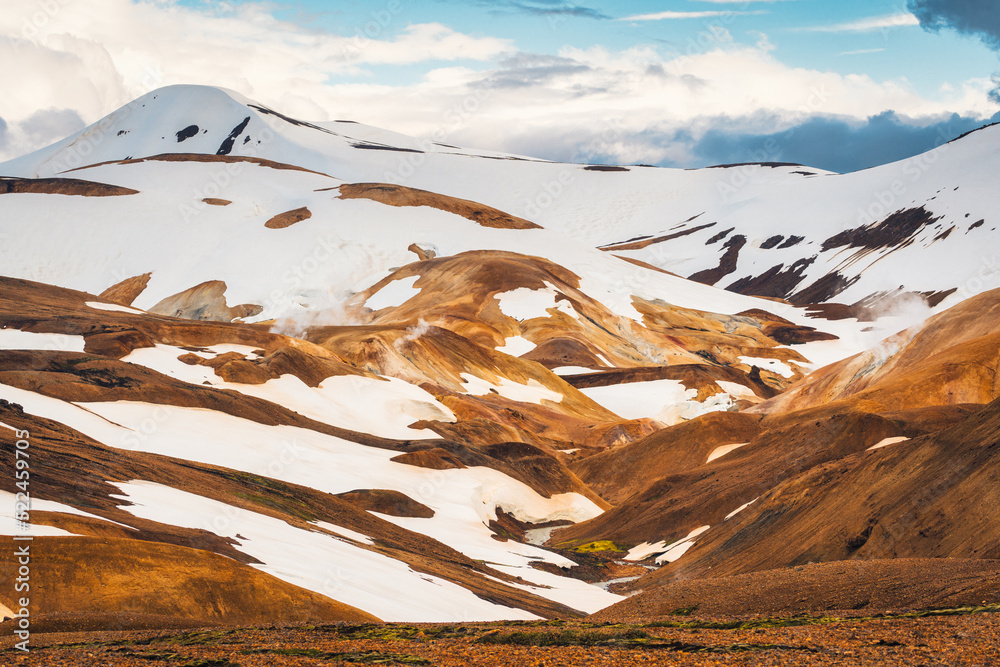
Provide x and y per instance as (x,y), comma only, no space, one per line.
(777,231)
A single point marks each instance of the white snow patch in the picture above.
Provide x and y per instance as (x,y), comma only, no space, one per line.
(394,294)
(464,500)
(670,552)
(539,536)
(572,593)
(887,442)
(878,340)
(10,526)
(526,304)
(691,409)
(680,547)
(316,561)
(15,339)
(572,370)
(247,351)
(614,295)
(515,346)
(645,550)
(73,415)
(666,401)
(384,408)
(344,532)
(114,307)
(38,505)
(721,451)
(532,392)
(489,492)
(773,365)
(736,390)
(740,509)
(636,400)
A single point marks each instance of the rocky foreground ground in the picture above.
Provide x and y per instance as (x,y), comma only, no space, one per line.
(961,636)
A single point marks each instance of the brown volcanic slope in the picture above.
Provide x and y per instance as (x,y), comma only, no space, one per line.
(953,358)
(935,496)
(679,501)
(76,470)
(617,473)
(817,494)
(399,195)
(87,582)
(459,293)
(436,358)
(862,585)
(206,301)
(62,186)
(128,290)
(454,323)
(41,308)
(98,375)
(921,382)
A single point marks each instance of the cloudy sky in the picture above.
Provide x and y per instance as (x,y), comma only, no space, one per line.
(840,85)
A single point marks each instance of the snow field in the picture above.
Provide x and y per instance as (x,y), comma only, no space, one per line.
(464,500)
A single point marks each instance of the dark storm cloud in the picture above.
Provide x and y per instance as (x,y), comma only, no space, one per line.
(972,17)
(834,144)
(979,18)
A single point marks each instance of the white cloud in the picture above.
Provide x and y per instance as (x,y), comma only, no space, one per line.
(640,106)
(95,55)
(665,16)
(903,20)
(860,52)
(92,56)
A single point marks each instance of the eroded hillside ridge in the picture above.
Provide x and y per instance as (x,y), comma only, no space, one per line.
(282,369)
